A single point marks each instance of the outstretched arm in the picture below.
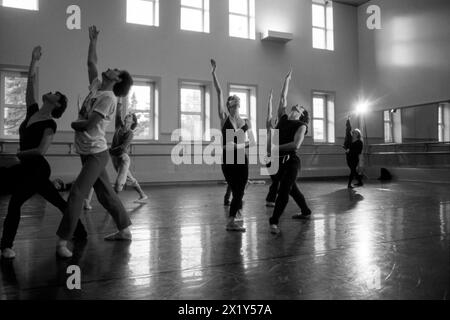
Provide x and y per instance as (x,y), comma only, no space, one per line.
(92,54)
(119,113)
(222,111)
(31,94)
(269,124)
(284,92)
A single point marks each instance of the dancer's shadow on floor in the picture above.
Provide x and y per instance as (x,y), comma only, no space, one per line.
(341,201)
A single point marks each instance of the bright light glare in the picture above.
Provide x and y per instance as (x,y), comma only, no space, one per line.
(362,107)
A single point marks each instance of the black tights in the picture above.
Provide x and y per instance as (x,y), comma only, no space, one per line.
(353,164)
(237,177)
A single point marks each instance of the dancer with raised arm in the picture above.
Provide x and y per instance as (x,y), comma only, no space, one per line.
(236,173)
(96,113)
(292,130)
(119,153)
(32,175)
(353,146)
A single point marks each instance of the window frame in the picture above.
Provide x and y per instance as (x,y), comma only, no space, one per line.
(35,1)
(17,70)
(327,96)
(155,18)
(206,99)
(205,16)
(327,5)
(251,20)
(154,83)
(389,122)
(441,123)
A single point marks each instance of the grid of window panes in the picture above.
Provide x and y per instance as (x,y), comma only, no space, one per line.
(242,18)
(194,15)
(388,126)
(191,111)
(13,106)
(145,12)
(322,25)
(441,123)
(21,4)
(141,102)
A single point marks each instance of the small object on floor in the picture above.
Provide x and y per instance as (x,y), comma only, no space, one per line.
(141,199)
(8,253)
(274,229)
(270,204)
(233,226)
(119,236)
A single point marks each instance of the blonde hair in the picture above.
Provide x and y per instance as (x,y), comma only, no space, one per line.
(358,133)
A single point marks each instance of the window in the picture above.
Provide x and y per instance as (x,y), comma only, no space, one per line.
(444,122)
(143,101)
(242,18)
(247,96)
(388,126)
(144,12)
(195,15)
(194,110)
(323,117)
(322,24)
(21,4)
(441,126)
(12,104)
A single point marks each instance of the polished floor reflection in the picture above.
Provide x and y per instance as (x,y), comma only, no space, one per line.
(382,241)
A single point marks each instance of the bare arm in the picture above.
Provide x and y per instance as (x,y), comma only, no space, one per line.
(86,125)
(30,97)
(119,114)
(269,124)
(298,140)
(222,111)
(92,54)
(283,98)
(42,149)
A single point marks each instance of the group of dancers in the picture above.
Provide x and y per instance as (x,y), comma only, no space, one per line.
(101,106)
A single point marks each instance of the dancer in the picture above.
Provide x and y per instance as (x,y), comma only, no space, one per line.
(235,173)
(32,174)
(292,130)
(353,148)
(119,154)
(96,113)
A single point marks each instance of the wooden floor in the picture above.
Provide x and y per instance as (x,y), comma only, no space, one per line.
(386,241)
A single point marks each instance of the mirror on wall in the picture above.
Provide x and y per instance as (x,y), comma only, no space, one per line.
(425,123)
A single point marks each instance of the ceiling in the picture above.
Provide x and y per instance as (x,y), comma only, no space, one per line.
(352,2)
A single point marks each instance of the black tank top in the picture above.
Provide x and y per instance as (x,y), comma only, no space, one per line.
(287,129)
(31,136)
(229,126)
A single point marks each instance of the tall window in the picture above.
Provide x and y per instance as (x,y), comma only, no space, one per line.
(21,4)
(195,15)
(142,100)
(441,126)
(247,96)
(194,110)
(322,24)
(242,18)
(144,12)
(323,117)
(12,102)
(388,126)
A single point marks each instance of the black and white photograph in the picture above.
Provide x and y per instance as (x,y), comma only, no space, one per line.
(224,155)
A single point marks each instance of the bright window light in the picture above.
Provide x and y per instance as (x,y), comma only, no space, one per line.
(322,24)
(145,12)
(195,15)
(242,18)
(21,4)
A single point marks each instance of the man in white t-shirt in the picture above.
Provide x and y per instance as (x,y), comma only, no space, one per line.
(96,113)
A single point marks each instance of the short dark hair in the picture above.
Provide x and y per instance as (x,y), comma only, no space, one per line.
(122,88)
(305,116)
(58,112)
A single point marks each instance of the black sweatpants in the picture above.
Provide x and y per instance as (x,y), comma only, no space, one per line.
(287,176)
(236,176)
(30,177)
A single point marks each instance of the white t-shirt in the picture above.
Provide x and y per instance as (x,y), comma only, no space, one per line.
(104,103)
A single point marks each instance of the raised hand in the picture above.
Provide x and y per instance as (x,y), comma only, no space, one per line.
(37,53)
(271,95)
(93,33)
(289,75)
(213,65)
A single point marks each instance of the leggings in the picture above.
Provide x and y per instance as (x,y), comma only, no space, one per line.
(237,177)
(30,177)
(352,163)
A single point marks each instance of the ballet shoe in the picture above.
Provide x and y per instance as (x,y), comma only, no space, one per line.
(359,184)
(8,253)
(141,199)
(303,216)
(233,226)
(274,229)
(63,252)
(119,236)
(239,216)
